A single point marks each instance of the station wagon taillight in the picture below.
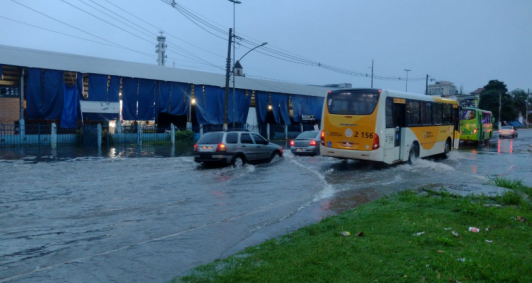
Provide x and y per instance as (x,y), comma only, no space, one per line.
(292,143)
(221,147)
(313,142)
(195,147)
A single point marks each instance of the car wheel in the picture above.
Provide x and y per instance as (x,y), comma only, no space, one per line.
(275,156)
(238,161)
(413,154)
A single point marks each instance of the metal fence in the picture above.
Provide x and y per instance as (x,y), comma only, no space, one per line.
(145,135)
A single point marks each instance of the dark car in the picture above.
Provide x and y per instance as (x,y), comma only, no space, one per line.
(235,148)
(306,143)
(508,131)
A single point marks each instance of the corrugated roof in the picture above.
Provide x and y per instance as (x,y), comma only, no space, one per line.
(32,58)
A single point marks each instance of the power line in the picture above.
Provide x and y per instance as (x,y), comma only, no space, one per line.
(107,22)
(116,44)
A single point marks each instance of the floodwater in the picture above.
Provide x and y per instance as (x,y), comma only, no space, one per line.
(101,219)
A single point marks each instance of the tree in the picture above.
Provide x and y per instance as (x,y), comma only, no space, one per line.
(520,97)
(489,100)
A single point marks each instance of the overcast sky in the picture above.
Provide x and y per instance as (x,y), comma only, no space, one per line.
(465,42)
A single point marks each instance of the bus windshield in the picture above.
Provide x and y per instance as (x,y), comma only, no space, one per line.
(467,114)
(352,103)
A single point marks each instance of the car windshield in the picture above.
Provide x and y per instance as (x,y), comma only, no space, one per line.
(211,138)
(308,135)
(507,128)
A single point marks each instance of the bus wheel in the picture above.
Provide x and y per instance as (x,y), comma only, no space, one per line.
(447,149)
(413,154)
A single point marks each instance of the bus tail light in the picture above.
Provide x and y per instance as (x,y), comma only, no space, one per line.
(322,137)
(376,141)
(221,147)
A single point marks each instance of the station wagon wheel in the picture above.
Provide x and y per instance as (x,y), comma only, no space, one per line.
(275,156)
(238,161)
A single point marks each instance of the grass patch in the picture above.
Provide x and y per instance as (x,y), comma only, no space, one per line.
(389,251)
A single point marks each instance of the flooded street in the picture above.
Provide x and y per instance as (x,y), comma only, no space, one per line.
(101,219)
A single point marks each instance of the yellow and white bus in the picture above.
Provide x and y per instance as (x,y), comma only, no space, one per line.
(387,126)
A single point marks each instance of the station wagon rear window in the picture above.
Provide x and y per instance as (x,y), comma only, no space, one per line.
(211,138)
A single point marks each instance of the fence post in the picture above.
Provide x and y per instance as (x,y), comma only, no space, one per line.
(285,132)
(200,131)
(53,136)
(268,130)
(301,126)
(99,136)
(139,133)
(172,133)
(22,130)
(118,127)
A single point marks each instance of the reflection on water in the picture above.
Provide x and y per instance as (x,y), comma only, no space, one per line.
(498,146)
(46,154)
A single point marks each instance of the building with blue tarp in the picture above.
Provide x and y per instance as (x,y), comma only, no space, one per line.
(52,85)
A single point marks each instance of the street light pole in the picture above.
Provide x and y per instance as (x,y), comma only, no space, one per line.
(407,70)
(227,69)
(234,55)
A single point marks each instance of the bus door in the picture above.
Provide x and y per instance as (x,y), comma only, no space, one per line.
(395,121)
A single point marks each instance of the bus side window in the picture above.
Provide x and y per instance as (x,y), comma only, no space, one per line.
(389,112)
(437,113)
(447,114)
(426,113)
(412,113)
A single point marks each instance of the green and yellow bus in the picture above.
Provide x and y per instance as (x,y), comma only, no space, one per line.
(475,124)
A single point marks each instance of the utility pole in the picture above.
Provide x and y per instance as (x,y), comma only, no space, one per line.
(427,85)
(500,104)
(227,74)
(527,99)
(371,73)
(160,48)
(407,70)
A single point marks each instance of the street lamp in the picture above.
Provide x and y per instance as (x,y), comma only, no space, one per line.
(238,71)
(234,47)
(407,70)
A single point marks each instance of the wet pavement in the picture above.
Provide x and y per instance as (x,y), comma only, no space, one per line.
(101,219)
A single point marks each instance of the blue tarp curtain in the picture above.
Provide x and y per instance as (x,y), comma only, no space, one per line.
(209,105)
(241,105)
(306,105)
(139,92)
(165,89)
(129,98)
(34,94)
(69,116)
(179,99)
(53,94)
(146,100)
(280,108)
(79,86)
(316,106)
(261,105)
(103,89)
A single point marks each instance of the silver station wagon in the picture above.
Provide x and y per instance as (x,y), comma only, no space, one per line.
(235,148)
